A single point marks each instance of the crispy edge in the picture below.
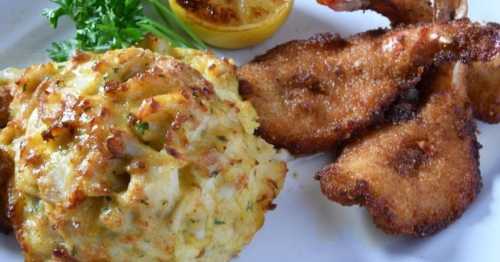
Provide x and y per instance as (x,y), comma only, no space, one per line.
(397,11)
(5,100)
(483,36)
(6,173)
(405,11)
(361,193)
(311,145)
(483,87)
(15,215)
(307,145)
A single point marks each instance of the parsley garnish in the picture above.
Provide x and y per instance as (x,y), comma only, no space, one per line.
(102,25)
(61,51)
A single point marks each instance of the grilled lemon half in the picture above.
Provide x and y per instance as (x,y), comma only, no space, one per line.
(233,24)
(135,156)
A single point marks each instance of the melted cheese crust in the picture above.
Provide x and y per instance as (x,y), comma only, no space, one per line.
(132,155)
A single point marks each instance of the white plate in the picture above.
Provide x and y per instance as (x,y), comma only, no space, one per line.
(305,226)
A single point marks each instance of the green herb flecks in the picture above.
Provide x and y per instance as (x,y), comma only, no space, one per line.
(142,127)
(74,251)
(103,25)
(37,206)
(219,222)
(249,206)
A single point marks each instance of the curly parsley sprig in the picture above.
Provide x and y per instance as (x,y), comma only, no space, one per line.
(113,24)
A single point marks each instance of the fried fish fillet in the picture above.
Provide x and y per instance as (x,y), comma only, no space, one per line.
(313,94)
(483,78)
(483,86)
(405,11)
(414,177)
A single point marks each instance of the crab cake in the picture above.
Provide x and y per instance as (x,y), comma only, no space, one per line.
(6,172)
(132,155)
(5,94)
(418,176)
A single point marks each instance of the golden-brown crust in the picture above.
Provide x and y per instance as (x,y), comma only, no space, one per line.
(215,13)
(483,81)
(94,179)
(15,213)
(483,85)
(5,99)
(414,177)
(405,11)
(313,94)
(6,172)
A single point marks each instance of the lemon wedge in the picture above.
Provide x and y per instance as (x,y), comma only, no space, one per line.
(233,24)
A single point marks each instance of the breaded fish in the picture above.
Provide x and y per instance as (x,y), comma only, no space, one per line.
(313,94)
(405,11)
(418,176)
(483,86)
(483,78)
